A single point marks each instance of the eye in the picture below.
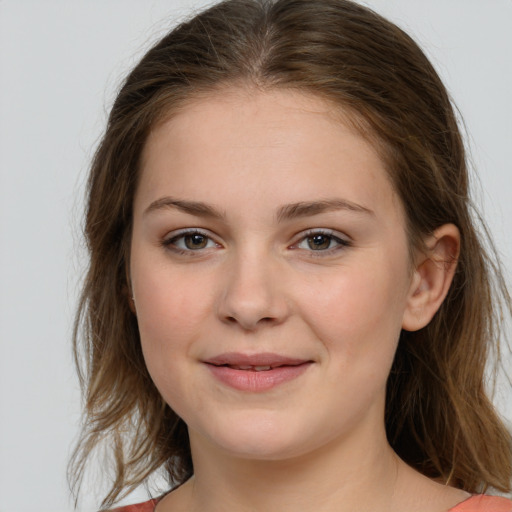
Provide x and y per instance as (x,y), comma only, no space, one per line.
(186,241)
(321,241)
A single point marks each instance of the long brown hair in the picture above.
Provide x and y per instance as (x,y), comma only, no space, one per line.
(439,418)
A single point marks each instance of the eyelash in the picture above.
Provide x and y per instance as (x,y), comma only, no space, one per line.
(342,243)
(171,242)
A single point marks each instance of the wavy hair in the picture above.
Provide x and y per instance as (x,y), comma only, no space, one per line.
(438,417)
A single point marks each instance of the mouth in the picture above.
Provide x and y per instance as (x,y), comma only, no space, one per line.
(256,372)
(254,362)
(251,368)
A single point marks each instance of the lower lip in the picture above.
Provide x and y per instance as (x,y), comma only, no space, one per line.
(250,380)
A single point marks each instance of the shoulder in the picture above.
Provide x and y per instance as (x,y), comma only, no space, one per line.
(482,503)
(147,506)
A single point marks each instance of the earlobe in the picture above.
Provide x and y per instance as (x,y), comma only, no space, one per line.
(128,293)
(433,275)
(128,290)
(131,305)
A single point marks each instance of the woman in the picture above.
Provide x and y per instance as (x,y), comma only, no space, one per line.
(288,305)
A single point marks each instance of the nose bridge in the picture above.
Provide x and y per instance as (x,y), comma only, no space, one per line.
(252,289)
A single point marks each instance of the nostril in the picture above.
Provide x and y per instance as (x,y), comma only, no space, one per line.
(264,320)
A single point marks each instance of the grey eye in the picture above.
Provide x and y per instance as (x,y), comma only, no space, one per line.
(321,241)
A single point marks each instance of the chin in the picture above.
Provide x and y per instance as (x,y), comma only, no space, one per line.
(258,438)
(259,449)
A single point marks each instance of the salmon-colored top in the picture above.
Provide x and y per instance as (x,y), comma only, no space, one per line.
(479,503)
(147,506)
(483,503)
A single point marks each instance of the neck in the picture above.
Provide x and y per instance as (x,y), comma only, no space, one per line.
(340,476)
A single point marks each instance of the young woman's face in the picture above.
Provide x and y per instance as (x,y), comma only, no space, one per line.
(270,271)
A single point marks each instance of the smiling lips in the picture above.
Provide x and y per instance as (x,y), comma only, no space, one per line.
(257,372)
(251,368)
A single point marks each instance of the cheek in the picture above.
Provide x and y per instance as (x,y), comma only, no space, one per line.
(170,310)
(358,316)
(170,315)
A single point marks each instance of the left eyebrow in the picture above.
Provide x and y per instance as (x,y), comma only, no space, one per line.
(196,208)
(308,208)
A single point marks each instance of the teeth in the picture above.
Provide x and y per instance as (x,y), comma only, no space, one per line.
(253,368)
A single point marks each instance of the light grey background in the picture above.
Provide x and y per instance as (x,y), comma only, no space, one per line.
(60,63)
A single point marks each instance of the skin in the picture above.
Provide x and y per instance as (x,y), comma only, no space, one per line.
(254,281)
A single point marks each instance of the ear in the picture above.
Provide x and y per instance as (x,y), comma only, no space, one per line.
(432,277)
(128,294)
(128,290)
(131,304)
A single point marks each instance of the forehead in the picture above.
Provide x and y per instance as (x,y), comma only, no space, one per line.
(288,145)
(269,112)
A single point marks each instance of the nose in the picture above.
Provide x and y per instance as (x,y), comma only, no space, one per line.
(253,293)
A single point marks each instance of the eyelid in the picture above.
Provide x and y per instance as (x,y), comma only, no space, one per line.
(342,240)
(169,239)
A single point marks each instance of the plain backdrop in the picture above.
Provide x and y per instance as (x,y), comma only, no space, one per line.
(60,64)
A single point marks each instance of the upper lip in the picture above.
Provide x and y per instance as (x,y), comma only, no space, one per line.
(262,359)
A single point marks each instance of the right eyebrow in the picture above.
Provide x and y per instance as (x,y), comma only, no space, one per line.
(310,208)
(196,208)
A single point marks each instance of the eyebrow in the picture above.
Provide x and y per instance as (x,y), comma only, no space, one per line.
(196,208)
(309,208)
(286,212)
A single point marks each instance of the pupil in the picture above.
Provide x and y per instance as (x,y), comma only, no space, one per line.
(195,241)
(319,242)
